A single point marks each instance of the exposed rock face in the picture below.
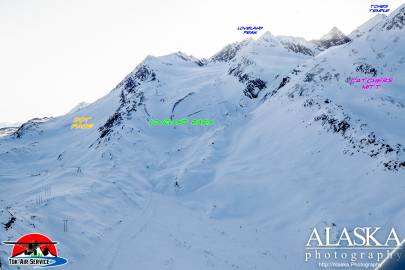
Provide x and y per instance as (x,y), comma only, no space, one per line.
(335,37)
(229,52)
(396,20)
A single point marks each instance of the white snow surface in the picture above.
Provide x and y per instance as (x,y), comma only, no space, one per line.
(78,107)
(368,26)
(251,187)
(6,124)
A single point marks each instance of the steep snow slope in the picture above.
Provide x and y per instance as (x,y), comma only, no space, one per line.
(367,26)
(294,146)
(378,112)
(78,107)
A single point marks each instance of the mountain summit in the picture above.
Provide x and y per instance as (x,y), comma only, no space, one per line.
(334,37)
(396,20)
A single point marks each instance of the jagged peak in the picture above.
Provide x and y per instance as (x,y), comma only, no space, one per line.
(229,52)
(333,34)
(173,57)
(396,20)
(267,34)
(29,125)
(334,37)
(189,57)
(184,55)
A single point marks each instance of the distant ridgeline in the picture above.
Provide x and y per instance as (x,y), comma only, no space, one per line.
(249,30)
(379,8)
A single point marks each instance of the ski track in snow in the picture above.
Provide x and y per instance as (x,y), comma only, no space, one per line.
(122,238)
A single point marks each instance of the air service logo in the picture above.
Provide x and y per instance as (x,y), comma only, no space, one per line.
(35,250)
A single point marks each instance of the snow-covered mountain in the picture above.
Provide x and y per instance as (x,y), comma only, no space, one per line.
(78,107)
(367,26)
(5,124)
(335,37)
(295,145)
(8,128)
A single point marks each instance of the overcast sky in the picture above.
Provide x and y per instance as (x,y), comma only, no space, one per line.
(57,53)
